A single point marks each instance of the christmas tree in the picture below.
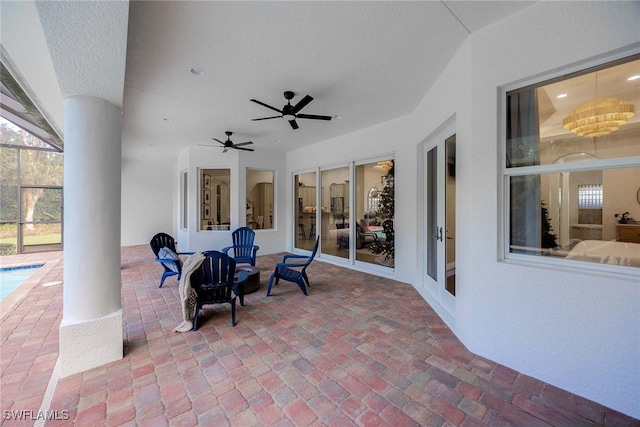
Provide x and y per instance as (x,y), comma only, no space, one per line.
(549,240)
(385,211)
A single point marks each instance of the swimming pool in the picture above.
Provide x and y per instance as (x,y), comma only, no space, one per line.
(12,277)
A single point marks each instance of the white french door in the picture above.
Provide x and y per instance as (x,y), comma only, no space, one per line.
(439,219)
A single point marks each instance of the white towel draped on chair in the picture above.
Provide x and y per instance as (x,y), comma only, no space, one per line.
(188,295)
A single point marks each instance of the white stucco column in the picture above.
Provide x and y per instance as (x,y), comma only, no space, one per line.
(91,328)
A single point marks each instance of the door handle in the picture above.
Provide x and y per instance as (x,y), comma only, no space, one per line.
(438,235)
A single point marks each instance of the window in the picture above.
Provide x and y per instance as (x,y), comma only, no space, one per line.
(571,154)
(215,213)
(590,196)
(374,199)
(260,204)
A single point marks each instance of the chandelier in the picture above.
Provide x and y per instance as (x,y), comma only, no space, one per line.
(599,116)
(386,165)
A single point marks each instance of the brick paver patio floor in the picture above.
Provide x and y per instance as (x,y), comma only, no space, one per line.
(360,350)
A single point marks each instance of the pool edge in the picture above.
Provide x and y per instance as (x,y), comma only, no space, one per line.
(18,294)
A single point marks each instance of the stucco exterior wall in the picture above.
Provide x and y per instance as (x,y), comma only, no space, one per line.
(195,158)
(576,330)
(148,202)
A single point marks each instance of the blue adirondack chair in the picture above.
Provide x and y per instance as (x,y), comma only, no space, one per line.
(164,249)
(244,251)
(214,283)
(288,271)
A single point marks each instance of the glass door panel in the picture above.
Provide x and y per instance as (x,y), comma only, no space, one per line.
(450,215)
(305,210)
(334,212)
(431,210)
(40,219)
(371,181)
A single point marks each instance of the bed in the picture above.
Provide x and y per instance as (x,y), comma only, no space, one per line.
(607,252)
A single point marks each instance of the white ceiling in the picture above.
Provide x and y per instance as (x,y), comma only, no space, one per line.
(366,61)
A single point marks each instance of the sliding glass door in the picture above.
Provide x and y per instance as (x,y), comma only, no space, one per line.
(333,217)
(351,209)
(305,210)
(374,205)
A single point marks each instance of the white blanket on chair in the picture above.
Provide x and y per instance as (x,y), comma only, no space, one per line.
(188,295)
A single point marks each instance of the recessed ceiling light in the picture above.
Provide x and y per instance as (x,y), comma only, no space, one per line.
(277,140)
(337,117)
(562,95)
(167,119)
(632,78)
(198,71)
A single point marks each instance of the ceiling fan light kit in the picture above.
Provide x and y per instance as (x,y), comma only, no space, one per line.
(228,144)
(291,112)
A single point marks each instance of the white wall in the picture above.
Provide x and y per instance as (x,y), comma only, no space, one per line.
(575,330)
(195,158)
(148,201)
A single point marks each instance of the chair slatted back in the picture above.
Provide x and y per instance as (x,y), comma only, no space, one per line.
(162,240)
(313,253)
(216,268)
(243,238)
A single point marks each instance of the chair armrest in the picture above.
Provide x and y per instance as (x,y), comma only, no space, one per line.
(186,253)
(284,264)
(225,250)
(286,257)
(163,260)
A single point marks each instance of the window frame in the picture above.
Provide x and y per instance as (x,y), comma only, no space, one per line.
(274,214)
(202,187)
(184,200)
(505,172)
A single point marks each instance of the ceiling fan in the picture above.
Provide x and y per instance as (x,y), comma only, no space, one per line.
(290,112)
(228,144)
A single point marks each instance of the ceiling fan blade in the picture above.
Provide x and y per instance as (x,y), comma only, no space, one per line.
(265,105)
(267,118)
(245,149)
(293,124)
(216,139)
(300,105)
(243,143)
(313,116)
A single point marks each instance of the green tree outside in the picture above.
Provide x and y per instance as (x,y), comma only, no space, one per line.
(24,162)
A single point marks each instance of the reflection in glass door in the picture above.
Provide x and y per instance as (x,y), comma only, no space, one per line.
(434,232)
(450,215)
(374,193)
(334,212)
(40,227)
(305,210)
